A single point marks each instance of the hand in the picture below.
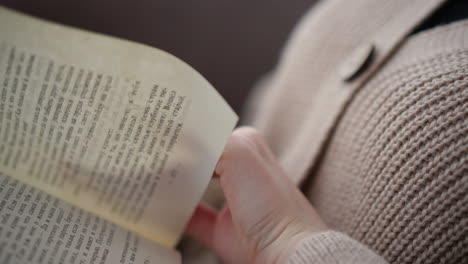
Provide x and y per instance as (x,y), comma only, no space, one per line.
(266,215)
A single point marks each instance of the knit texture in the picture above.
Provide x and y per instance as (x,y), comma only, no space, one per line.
(333,247)
(395,174)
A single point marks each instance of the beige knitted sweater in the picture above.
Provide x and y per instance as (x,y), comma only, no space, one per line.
(382,157)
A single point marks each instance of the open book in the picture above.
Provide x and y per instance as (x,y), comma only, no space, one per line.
(106,146)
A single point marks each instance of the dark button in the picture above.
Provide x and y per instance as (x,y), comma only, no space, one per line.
(356,63)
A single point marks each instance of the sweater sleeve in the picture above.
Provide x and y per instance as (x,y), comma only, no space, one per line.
(333,247)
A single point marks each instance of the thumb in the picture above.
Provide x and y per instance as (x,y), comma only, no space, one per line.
(268,211)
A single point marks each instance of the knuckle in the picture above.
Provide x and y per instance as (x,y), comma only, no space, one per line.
(269,235)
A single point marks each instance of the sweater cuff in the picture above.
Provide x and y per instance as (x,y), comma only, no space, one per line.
(333,247)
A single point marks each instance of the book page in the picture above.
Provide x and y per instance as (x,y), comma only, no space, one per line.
(124,131)
(38,228)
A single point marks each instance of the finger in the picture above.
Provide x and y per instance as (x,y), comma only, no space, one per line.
(249,173)
(266,207)
(201,226)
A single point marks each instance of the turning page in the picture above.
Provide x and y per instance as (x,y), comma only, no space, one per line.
(124,131)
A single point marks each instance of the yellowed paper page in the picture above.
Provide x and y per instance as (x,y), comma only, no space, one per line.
(124,131)
(38,228)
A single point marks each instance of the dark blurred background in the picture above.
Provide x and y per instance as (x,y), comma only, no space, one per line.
(232,43)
